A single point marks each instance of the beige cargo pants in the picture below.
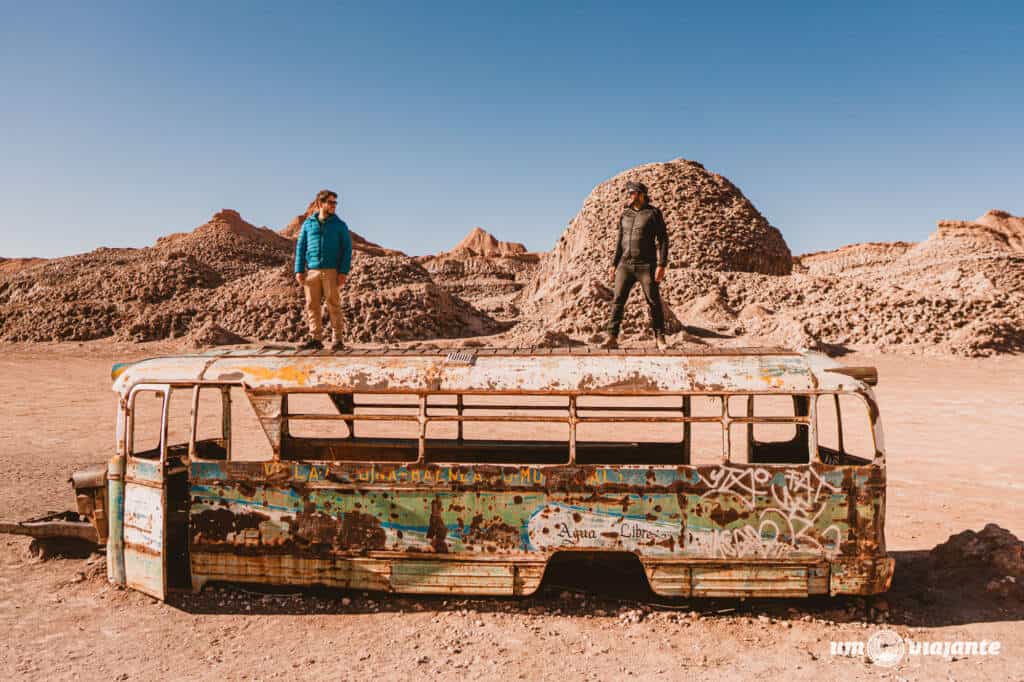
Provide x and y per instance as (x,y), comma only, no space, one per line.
(322,286)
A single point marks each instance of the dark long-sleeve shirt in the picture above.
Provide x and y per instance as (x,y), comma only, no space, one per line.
(643,237)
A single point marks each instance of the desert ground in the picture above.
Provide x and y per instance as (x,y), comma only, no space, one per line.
(954,428)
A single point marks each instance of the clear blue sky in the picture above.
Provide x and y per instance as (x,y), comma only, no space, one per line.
(842,122)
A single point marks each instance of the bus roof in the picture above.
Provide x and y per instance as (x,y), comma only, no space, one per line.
(556,371)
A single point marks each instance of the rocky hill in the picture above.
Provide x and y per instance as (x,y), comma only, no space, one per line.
(958,292)
(994,231)
(481,243)
(9,266)
(731,282)
(225,272)
(484,271)
(961,291)
(712,227)
(849,260)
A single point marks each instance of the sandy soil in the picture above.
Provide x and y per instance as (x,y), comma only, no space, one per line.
(954,430)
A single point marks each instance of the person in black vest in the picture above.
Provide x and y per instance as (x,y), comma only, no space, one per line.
(641,254)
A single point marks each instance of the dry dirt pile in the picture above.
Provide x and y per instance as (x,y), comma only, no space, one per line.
(12,265)
(731,281)
(960,292)
(984,564)
(484,271)
(386,298)
(103,293)
(229,245)
(849,260)
(229,273)
(712,227)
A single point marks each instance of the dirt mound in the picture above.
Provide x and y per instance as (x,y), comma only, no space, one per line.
(212,334)
(484,271)
(98,294)
(226,276)
(711,311)
(229,245)
(712,227)
(9,266)
(957,293)
(480,242)
(976,565)
(994,549)
(850,260)
(994,230)
(386,298)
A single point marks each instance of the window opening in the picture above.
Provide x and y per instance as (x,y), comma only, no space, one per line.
(211,406)
(500,429)
(630,430)
(248,441)
(769,429)
(347,427)
(845,434)
(147,412)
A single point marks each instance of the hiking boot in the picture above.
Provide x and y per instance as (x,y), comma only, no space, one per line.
(610,342)
(660,340)
(311,344)
(336,345)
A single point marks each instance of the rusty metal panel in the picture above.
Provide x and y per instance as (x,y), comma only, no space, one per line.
(749,581)
(458,577)
(752,517)
(862,575)
(357,573)
(818,579)
(725,511)
(144,471)
(144,521)
(66,525)
(669,580)
(523,372)
(528,577)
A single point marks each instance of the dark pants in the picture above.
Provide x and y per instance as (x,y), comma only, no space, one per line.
(626,276)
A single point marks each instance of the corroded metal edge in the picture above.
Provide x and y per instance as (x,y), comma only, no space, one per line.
(627,374)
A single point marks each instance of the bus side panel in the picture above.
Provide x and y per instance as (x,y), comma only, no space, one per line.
(464,530)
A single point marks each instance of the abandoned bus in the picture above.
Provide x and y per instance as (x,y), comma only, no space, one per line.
(732,473)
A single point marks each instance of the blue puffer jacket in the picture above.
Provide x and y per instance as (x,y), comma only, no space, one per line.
(324,246)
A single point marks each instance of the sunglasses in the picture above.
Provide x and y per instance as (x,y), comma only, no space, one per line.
(333,202)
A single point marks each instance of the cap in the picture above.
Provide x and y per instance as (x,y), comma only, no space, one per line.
(636,187)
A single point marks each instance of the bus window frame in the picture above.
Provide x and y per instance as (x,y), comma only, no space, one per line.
(165,392)
(868,402)
(225,419)
(166,389)
(724,419)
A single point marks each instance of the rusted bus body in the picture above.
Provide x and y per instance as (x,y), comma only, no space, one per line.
(473,515)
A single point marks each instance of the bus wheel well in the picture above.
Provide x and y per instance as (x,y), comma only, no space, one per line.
(610,574)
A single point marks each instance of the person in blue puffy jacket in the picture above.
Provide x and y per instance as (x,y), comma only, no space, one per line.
(323,258)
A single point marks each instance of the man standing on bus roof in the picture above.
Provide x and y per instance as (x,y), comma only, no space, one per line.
(641,254)
(323,258)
